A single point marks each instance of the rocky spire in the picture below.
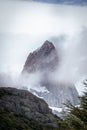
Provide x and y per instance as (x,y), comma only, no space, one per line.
(48,44)
(41,59)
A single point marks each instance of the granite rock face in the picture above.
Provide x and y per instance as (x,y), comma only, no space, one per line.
(45,60)
(42,59)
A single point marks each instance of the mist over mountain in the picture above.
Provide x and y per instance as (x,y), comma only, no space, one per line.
(24,26)
(43,63)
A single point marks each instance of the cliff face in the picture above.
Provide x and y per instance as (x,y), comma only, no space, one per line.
(45,60)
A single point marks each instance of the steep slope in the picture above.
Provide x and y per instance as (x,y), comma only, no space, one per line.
(20,110)
(45,60)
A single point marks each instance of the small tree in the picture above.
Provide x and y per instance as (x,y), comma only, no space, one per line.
(76,116)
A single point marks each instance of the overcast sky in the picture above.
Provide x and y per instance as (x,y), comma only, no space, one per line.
(24,26)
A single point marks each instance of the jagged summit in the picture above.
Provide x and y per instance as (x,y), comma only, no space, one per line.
(44,58)
(48,44)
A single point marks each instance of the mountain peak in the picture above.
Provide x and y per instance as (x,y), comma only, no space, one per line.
(48,44)
(47,48)
(44,58)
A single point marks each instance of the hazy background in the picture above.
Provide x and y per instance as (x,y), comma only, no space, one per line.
(24,26)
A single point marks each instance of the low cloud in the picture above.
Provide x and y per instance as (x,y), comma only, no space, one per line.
(26,25)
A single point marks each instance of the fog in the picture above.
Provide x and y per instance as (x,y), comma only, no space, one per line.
(24,26)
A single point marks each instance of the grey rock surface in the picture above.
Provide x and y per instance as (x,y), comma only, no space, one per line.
(25,103)
(42,59)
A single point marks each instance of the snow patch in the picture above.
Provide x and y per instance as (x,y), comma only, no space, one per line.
(40,89)
(56,109)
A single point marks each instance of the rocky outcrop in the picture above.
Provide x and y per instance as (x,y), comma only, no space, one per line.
(26,104)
